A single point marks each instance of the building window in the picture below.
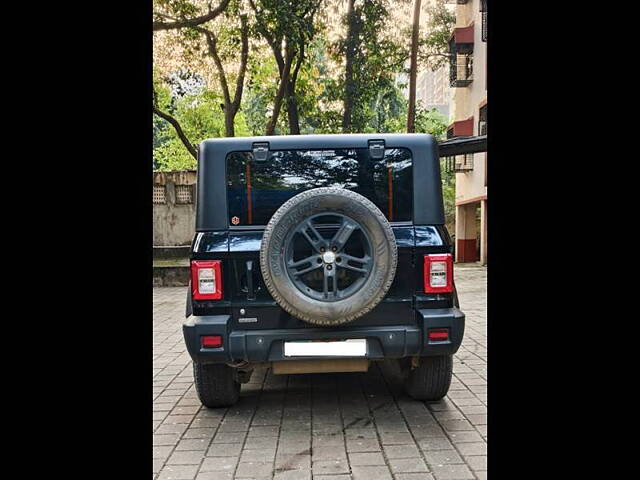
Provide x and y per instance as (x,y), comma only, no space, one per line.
(463,163)
(482,122)
(483,11)
(461,57)
(159,195)
(184,194)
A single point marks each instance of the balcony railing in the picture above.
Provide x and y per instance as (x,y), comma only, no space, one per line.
(461,72)
(461,57)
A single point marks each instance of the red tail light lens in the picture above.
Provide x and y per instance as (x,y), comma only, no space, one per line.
(438,335)
(211,341)
(438,273)
(206,279)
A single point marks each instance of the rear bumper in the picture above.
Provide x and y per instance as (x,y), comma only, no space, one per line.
(395,341)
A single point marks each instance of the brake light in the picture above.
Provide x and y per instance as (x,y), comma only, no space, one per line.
(438,273)
(206,279)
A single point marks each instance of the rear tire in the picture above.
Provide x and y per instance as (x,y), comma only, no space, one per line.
(216,384)
(431,379)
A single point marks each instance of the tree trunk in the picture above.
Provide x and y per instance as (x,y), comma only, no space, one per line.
(292,101)
(229,116)
(292,109)
(231,107)
(282,88)
(413,71)
(349,86)
(176,125)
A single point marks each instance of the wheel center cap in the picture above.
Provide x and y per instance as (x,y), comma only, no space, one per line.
(328,257)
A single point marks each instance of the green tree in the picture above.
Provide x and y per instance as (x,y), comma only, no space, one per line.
(372,59)
(227,41)
(198,116)
(287,27)
(434,47)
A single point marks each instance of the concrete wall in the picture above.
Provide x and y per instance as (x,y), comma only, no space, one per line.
(173,222)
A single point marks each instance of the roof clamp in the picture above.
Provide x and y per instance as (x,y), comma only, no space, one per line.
(376,149)
(260,151)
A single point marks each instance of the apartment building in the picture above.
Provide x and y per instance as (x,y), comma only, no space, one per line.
(468,112)
(433,90)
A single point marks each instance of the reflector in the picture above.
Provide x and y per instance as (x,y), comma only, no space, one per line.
(439,335)
(211,341)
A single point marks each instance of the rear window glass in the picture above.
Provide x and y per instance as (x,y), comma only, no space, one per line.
(255,190)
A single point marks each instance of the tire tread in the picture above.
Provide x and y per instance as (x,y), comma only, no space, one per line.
(215,384)
(431,379)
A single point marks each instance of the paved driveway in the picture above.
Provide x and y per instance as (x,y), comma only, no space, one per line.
(323,426)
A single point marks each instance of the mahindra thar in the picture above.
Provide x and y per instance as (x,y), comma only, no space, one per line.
(321,253)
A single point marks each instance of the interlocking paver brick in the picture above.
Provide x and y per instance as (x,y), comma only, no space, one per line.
(469,449)
(327,467)
(477,462)
(401,451)
(363,445)
(258,455)
(364,459)
(329,453)
(443,457)
(254,469)
(178,472)
(452,472)
(407,465)
(413,476)
(293,462)
(224,450)
(186,457)
(292,475)
(371,473)
(219,464)
(321,427)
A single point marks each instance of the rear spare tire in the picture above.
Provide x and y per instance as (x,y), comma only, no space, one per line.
(328,256)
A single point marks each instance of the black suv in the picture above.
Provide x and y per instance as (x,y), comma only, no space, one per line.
(321,253)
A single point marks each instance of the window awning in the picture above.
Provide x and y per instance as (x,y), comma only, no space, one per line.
(461,128)
(463,34)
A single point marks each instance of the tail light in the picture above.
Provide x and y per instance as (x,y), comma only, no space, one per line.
(438,273)
(206,279)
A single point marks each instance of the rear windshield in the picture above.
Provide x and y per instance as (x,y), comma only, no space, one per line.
(255,190)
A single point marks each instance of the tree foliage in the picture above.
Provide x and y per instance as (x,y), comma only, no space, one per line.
(434,47)
(328,66)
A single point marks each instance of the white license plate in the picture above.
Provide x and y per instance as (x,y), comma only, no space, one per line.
(344,348)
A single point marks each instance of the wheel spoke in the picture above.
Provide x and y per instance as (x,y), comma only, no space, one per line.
(329,275)
(313,266)
(363,260)
(344,232)
(316,244)
(299,263)
(355,269)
